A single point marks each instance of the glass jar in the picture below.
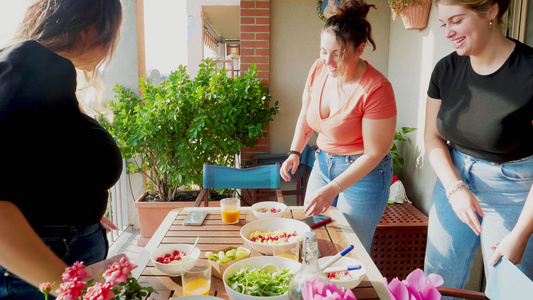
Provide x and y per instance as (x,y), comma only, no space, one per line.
(310,268)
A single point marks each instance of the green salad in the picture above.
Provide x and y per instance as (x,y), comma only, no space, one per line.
(260,282)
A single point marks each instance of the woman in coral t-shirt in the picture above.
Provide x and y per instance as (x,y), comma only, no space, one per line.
(352,107)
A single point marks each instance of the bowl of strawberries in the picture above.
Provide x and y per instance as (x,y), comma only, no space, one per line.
(172,259)
(268,209)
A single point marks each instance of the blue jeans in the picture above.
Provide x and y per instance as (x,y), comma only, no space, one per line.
(85,243)
(501,190)
(364,202)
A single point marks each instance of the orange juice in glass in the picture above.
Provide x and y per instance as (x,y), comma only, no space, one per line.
(231,208)
(288,250)
(196,281)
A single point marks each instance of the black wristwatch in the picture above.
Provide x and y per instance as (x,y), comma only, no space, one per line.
(294,152)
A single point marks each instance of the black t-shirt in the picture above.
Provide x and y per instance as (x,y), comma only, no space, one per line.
(57,164)
(486,116)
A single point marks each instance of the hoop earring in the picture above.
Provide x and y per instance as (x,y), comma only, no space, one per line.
(490,24)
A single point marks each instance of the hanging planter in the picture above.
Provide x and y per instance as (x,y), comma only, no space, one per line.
(414,13)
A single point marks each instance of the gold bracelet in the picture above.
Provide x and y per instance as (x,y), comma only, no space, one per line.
(340,189)
(459,184)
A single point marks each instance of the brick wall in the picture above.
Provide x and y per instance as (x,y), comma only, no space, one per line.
(255,49)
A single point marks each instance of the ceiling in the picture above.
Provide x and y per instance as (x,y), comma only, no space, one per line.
(225,20)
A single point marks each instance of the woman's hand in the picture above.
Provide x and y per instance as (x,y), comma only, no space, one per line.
(320,200)
(466,206)
(108,224)
(512,246)
(290,164)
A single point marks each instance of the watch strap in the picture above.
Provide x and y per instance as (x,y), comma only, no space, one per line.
(294,152)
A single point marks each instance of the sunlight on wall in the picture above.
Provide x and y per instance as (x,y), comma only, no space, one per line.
(11,13)
(165,25)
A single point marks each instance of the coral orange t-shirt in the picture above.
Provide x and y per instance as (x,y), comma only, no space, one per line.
(341,132)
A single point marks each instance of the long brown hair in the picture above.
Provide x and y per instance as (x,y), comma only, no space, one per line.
(58,24)
(480,6)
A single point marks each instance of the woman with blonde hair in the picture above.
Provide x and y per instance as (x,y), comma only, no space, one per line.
(58,163)
(352,107)
(479,140)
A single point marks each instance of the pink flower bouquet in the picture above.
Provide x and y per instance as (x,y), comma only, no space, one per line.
(316,290)
(415,287)
(117,285)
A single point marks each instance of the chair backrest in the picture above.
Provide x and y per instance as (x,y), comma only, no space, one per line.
(261,177)
(506,281)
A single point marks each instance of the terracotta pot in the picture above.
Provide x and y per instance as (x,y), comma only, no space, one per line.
(151,214)
(416,16)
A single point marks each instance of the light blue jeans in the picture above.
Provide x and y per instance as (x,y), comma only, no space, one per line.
(364,202)
(83,243)
(501,190)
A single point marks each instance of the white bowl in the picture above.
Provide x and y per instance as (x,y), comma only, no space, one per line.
(268,205)
(270,224)
(356,275)
(258,262)
(175,269)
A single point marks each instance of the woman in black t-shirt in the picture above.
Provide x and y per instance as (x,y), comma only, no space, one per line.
(57,163)
(479,140)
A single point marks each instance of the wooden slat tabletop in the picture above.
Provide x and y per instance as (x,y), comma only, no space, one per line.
(215,235)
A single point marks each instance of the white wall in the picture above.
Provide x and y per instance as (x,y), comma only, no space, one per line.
(165,26)
(413,54)
(195,43)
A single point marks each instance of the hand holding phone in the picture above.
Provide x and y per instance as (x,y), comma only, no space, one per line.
(316,220)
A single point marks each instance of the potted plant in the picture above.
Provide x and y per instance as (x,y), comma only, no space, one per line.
(180,123)
(414,13)
(399,137)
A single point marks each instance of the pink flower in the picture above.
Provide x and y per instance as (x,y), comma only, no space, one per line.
(77,270)
(316,290)
(415,287)
(99,291)
(45,287)
(118,271)
(70,290)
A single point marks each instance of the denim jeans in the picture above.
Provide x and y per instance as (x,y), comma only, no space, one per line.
(85,243)
(501,190)
(364,202)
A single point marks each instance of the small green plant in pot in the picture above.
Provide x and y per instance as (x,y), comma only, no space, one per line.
(397,159)
(179,124)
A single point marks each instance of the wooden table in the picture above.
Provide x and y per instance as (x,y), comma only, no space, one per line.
(214,235)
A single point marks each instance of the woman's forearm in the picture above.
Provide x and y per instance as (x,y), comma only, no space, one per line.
(436,147)
(23,252)
(302,134)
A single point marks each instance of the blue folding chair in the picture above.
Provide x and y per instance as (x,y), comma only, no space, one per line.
(307,159)
(222,177)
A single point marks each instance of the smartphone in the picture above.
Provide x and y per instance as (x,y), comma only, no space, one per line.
(195,217)
(316,220)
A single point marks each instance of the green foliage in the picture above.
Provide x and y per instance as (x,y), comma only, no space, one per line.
(181,123)
(399,137)
(131,290)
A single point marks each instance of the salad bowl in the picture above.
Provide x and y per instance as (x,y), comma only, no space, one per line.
(273,263)
(347,279)
(176,267)
(276,226)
